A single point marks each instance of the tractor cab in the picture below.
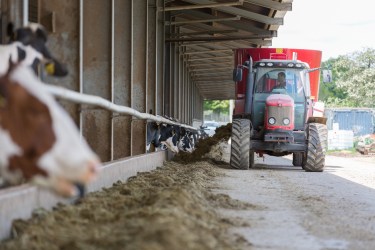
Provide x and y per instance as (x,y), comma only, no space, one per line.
(279,106)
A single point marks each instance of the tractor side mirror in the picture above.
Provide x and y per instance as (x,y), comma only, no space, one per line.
(327,75)
(237,74)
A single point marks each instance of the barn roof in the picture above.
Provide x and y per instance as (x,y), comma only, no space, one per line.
(205,33)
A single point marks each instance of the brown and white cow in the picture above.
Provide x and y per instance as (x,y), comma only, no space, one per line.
(38,139)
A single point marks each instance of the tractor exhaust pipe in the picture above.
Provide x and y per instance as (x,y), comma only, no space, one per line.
(249,87)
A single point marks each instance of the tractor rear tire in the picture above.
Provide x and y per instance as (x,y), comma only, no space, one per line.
(297,159)
(316,148)
(240,144)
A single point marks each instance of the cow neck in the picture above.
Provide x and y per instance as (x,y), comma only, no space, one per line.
(29,124)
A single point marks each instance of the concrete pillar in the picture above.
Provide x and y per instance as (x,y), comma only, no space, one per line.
(96,74)
(176,79)
(122,77)
(151,57)
(139,73)
(181,73)
(159,99)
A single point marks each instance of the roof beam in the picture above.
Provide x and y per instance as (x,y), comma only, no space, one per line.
(217,19)
(244,13)
(207,51)
(205,64)
(222,38)
(213,80)
(209,69)
(206,32)
(202,74)
(232,44)
(209,58)
(201,6)
(231,24)
(271,4)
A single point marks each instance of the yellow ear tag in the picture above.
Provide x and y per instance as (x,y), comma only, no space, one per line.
(50,68)
(2,101)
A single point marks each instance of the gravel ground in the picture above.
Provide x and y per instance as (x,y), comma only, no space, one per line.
(330,210)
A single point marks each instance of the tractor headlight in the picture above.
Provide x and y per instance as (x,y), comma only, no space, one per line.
(286,121)
(271,120)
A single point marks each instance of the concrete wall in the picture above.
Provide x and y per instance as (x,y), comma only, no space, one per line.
(19,202)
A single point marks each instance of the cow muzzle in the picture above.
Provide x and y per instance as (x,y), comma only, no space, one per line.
(55,68)
(77,187)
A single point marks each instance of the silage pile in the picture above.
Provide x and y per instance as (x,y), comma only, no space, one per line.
(215,147)
(171,207)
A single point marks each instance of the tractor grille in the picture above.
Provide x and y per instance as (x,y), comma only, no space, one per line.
(279,113)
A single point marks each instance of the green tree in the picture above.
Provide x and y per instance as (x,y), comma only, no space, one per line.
(217,106)
(354,80)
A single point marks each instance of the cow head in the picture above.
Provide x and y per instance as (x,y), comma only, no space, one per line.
(35,35)
(185,144)
(38,139)
(169,136)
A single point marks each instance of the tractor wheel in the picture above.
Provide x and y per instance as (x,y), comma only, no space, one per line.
(251,163)
(297,159)
(316,148)
(240,144)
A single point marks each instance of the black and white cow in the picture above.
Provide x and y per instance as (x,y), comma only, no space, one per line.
(27,46)
(193,136)
(184,142)
(173,137)
(153,135)
(169,137)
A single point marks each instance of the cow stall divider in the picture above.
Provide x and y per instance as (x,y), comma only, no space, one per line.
(19,202)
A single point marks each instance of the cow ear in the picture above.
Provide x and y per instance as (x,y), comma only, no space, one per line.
(41,33)
(10,31)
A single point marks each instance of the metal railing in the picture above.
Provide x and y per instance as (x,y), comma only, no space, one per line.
(80,98)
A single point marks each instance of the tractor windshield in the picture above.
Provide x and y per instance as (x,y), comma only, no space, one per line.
(281,80)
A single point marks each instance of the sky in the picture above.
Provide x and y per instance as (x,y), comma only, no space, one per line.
(336,27)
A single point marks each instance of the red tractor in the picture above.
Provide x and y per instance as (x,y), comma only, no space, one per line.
(276,108)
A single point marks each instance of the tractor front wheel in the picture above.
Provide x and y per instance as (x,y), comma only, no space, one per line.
(316,148)
(240,144)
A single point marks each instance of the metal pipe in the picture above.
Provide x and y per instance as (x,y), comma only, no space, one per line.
(25,9)
(80,98)
(80,88)
(112,72)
